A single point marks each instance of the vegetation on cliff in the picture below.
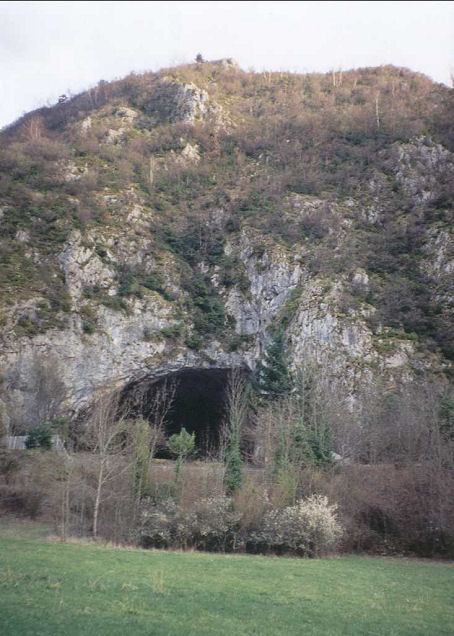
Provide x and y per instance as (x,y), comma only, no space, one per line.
(345,166)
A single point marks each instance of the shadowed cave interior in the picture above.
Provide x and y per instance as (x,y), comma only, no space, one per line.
(199,405)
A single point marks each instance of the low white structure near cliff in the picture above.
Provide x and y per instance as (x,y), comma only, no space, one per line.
(17,442)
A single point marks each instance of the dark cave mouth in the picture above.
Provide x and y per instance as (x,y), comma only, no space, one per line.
(198,405)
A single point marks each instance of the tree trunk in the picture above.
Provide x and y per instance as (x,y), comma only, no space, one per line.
(98,498)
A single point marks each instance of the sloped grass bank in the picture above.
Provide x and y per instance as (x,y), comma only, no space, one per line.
(51,588)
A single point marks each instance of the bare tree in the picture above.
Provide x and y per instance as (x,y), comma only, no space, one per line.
(155,404)
(237,404)
(63,477)
(236,408)
(377,110)
(106,437)
(33,128)
(123,434)
(271,433)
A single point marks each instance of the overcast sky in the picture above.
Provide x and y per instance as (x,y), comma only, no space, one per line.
(49,48)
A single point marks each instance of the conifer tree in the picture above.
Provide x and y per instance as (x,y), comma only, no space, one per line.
(274,377)
(312,439)
(302,451)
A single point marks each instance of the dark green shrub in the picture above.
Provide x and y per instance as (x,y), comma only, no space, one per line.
(89,319)
(239,340)
(114,302)
(40,436)
(27,326)
(173,332)
(101,251)
(193,341)
(131,282)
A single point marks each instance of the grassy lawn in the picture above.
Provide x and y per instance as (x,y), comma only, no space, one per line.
(51,588)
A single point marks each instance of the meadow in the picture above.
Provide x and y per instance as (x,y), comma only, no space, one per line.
(52,588)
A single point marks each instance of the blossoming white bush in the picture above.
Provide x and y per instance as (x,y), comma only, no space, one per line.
(212,524)
(157,524)
(310,528)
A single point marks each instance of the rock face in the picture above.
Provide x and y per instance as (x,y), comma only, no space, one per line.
(130,346)
(174,101)
(421,167)
(174,254)
(82,267)
(127,347)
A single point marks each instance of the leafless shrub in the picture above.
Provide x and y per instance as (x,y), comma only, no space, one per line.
(33,128)
(251,501)
(155,403)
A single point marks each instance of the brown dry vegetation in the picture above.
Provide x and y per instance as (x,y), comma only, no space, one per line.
(384,509)
(394,493)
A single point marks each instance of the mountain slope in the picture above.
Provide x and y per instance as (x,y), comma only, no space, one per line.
(169,219)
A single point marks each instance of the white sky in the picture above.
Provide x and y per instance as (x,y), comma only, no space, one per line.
(49,48)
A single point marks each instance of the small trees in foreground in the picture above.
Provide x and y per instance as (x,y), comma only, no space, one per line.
(237,410)
(141,454)
(106,437)
(181,445)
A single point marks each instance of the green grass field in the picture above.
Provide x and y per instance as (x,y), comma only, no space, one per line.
(52,588)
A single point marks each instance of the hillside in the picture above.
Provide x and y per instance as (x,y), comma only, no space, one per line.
(167,220)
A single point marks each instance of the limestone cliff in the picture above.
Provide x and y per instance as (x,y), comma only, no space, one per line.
(169,220)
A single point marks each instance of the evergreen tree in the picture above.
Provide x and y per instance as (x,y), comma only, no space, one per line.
(312,444)
(40,436)
(302,451)
(181,444)
(307,438)
(321,442)
(312,436)
(273,374)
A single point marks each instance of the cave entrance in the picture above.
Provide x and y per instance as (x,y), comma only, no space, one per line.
(198,405)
